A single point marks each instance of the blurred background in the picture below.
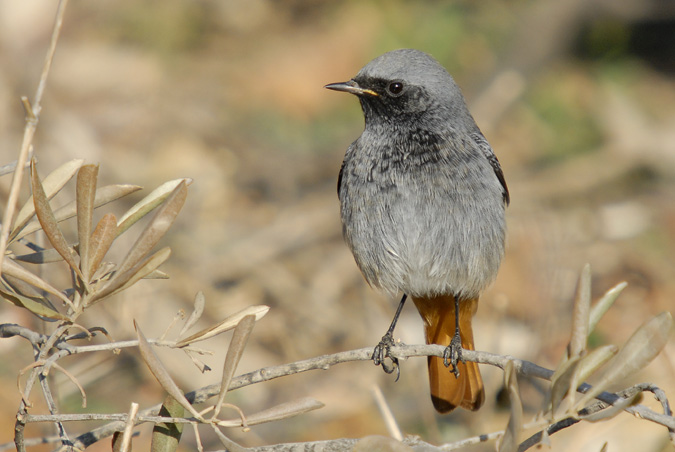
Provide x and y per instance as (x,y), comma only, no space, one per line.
(576,97)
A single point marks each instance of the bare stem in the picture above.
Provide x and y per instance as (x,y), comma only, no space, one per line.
(32,117)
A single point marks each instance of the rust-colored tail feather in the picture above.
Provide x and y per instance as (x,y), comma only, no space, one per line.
(447,391)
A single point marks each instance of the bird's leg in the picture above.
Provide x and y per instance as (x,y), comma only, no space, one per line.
(453,352)
(381,352)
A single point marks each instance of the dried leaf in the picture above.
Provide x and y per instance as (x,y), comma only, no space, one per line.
(156,274)
(510,440)
(200,301)
(258,311)
(581,314)
(161,374)
(33,306)
(121,282)
(48,222)
(165,436)
(100,242)
(52,184)
(147,204)
(104,195)
(72,378)
(85,194)
(196,361)
(639,350)
(234,352)
(604,304)
(156,229)
(13,269)
(278,412)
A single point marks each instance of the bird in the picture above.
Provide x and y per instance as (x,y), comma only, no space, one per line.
(422,204)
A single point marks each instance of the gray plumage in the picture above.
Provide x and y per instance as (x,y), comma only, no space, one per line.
(422,195)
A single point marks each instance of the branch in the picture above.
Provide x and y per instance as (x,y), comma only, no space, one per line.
(522,367)
(12,329)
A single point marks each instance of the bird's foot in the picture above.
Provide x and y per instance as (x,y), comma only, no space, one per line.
(382,352)
(453,354)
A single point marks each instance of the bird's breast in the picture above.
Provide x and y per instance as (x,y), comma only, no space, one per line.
(418,222)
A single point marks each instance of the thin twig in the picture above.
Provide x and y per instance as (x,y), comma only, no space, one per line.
(66,349)
(129,427)
(51,404)
(20,423)
(12,329)
(32,117)
(388,417)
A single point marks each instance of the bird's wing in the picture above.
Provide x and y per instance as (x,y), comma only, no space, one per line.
(339,183)
(485,148)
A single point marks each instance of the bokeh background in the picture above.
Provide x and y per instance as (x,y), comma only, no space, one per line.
(576,97)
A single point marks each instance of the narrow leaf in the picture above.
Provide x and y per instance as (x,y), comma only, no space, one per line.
(156,229)
(165,436)
(52,184)
(100,242)
(14,285)
(603,305)
(13,269)
(230,445)
(130,277)
(147,204)
(510,440)
(234,352)
(278,412)
(161,374)
(581,314)
(594,360)
(48,222)
(639,350)
(85,193)
(561,381)
(104,195)
(33,306)
(611,411)
(200,302)
(258,311)
(40,257)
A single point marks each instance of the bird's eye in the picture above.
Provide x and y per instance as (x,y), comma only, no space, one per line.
(395,87)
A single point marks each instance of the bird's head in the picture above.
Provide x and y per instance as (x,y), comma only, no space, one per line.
(403,86)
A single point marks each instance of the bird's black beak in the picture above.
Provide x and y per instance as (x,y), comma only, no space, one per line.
(351,87)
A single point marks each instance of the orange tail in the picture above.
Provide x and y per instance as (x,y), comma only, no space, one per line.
(448,392)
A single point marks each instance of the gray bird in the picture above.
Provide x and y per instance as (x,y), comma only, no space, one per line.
(422,201)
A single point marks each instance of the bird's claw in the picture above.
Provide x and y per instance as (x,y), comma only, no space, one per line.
(453,354)
(382,352)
